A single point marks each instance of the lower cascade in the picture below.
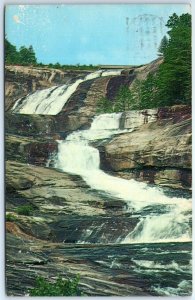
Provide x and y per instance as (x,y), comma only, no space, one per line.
(168,218)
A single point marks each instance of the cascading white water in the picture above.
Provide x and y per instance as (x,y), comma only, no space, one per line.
(111,72)
(86,158)
(51,101)
(173,227)
(77,157)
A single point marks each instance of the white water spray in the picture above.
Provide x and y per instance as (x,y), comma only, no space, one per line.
(76,156)
(51,101)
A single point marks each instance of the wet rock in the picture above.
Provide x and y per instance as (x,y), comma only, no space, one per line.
(54,192)
(29,150)
(116,82)
(158,151)
(105,270)
(173,178)
(31,125)
(22,80)
(66,209)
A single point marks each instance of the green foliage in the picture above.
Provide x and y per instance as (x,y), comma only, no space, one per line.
(141,95)
(26,210)
(60,287)
(174,75)
(171,84)
(72,67)
(163,45)
(148,92)
(25,56)
(125,100)
(11,54)
(104,106)
(11,218)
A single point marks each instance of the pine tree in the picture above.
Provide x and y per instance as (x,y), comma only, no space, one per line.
(163,45)
(148,92)
(11,54)
(27,56)
(124,100)
(32,56)
(174,76)
(104,105)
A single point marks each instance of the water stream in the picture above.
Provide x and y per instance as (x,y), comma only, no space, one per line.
(164,222)
(51,101)
(76,156)
(156,247)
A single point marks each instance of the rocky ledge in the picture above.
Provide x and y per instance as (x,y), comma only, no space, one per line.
(66,213)
(22,80)
(64,210)
(157,151)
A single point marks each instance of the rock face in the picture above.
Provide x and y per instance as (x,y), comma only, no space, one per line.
(92,262)
(81,106)
(30,150)
(78,111)
(65,210)
(22,80)
(69,227)
(158,151)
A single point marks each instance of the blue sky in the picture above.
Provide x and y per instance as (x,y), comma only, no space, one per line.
(90,34)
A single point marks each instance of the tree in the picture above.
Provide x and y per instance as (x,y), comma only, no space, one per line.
(148,93)
(32,56)
(104,105)
(124,100)
(163,45)
(174,76)
(11,54)
(27,56)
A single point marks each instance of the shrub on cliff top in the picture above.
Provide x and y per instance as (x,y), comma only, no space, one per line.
(61,287)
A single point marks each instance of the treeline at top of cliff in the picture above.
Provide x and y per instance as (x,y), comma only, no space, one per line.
(169,85)
(26,56)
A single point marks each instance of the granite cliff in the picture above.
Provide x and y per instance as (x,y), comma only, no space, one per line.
(65,211)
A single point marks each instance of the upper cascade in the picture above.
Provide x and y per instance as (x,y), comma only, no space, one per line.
(51,101)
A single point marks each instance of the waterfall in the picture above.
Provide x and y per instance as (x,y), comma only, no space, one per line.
(173,227)
(86,158)
(76,156)
(51,101)
(111,73)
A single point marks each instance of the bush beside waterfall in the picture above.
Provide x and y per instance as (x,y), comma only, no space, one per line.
(140,96)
